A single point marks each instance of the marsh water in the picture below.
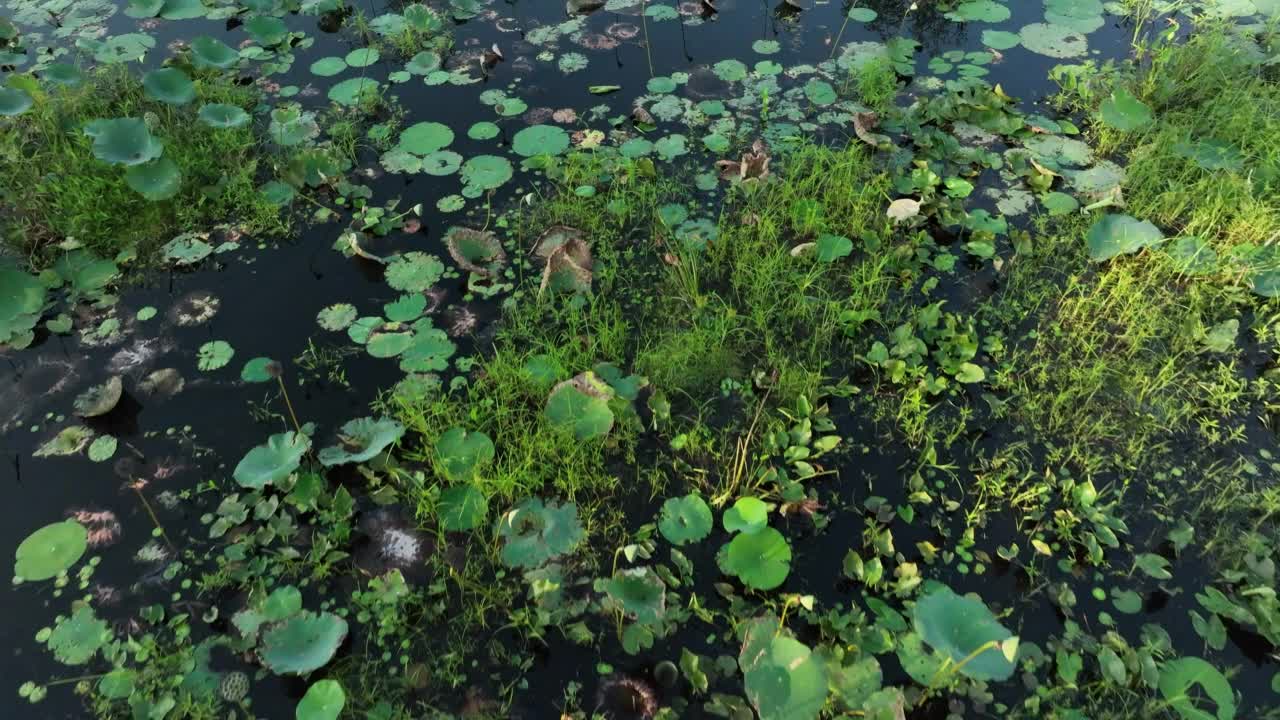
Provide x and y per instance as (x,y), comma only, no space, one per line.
(264,296)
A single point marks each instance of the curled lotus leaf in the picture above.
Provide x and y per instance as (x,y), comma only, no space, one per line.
(223,116)
(639,593)
(50,550)
(685,519)
(958,626)
(14,101)
(567,260)
(123,141)
(783,678)
(303,643)
(1178,676)
(476,251)
(272,461)
(209,52)
(582,404)
(100,399)
(360,440)
(169,85)
(534,533)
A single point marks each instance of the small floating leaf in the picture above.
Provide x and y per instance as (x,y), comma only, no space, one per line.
(50,550)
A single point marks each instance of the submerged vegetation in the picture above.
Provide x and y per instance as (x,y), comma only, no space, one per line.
(827,389)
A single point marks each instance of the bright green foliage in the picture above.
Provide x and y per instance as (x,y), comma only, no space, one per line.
(75,640)
(748,515)
(273,461)
(639,593)
(50,550)
(1179,676)
(784,679)
(685,519)
(534,533)
(761,560)
(962,628)
(303,643)
(1115,234)
(462,453)
(324,701)
(582,405)
(360,440)
(462,507)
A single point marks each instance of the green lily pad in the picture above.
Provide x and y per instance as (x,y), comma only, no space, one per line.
(186,249)
(461,453)
(761,560)
(303,643)
(748,515)
(958,626)
(1117,234)
(639,593)
(272,461)
(14,101)
(257,370)
(208,52)
(425,138)
(1053,41)
(485,172)
(324,701)
(337,317)
(987,11)
(68,441)
(581,404)
(63,74)
(123,141)
(1123,111)
(224,116)
(214,355)
(462,507)
(362,57)
(361,440)
(414,272)
(783,678)
(266,30)
(157,180)
(351,91)
(75,640)
(685,519)
(169,85)
(50,550)
(1178,676)
(534,533)
(540,140)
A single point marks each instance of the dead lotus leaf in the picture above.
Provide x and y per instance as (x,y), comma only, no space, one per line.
(803,249)
(754,165)
(903,209)
(100,399)
(567,257)
(476,251)
(863,124)
(641,116)
(587,383)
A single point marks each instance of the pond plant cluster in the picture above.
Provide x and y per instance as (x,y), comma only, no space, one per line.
(897,360)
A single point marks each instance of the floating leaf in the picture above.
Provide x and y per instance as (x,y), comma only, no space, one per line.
(102,448)
(783,678)
(100,399)
(540,140)
(169,85)
(273,461)
(223,116)
(1053,41)
(208,52)
(535,533)
(414,271)
(462,452)
(1117,234)
(960,626)
(324,701)
(748,515)
(186,249)
(50,550)
(685,519)
(337,317)
(462,507)
(68,441)
(1123,111)
(761,560)
(214,355)
(476,251)
(425,138)
(639,593)
(1178,676)
(361,440)
(303,643)
(257,370)
(75,640)
(582,404)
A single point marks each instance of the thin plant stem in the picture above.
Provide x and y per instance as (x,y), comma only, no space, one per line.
(285,393)
(836,43)
(648,52)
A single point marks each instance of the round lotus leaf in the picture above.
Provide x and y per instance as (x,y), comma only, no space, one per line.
(361,439)
(214,355)
(747,515)
(957,626)
(273,461)
(462,507)
(157,180)
(430,351)
(761,560)
(483,130)
(389,344)
(1083,16)
(441,163)
(362,57)
(328,66)
(685,519)
(1000,39)
(819,92)
(100,399)
(461,452)
(423,63)
(1059,203)
(580,405)
(303,643)
(987,11)
(102,448)
(208,52)
(352,90)
(486,172)
(413,271)
(63,74)
(266,30)
(75,640)
(143,8)
(1053,41)
(406,308)
(782,677)
(425,138)
(337,317)
(169,85)
(183,9)
(534,533)
(186,249)
(639,593)
(258,370)
(14,101)
(50,550)
(661,85)
(540,140)
(222,115)
(1123,111)
(324,701)
(1117,234)
(123,141)
(730,70)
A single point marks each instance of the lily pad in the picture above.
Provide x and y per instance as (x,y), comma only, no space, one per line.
(462,507)
(123,141)
(761,560)
(223,116)
(100,399)
(1178,676)
(1053,41)
(14,101)
(534,533)
(685,519)
(1123,111)
(414,271)
(425,138)
(581,404)
(783,678)
(748,515)
(273,461)
(1117,234)
(50,550)
(958,627)
(214,355)
(157,180)
(540,140)
(361,440)
(303,643)
(75,640)
(324,701)
(462,452)
(208,52)
(639,593)
(169,85)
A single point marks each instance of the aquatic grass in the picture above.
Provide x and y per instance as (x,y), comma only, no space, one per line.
(67,192)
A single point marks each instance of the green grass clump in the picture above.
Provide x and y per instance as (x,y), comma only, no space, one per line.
(877,83)
(55,189)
